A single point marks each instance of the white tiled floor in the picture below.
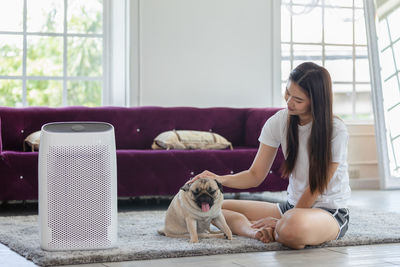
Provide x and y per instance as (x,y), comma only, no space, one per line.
(375,255)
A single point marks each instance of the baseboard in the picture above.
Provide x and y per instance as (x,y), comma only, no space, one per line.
(365,183)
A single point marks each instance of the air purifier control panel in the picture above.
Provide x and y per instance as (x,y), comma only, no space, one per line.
(78,128)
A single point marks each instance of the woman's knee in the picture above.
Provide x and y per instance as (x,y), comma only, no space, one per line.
(292,229)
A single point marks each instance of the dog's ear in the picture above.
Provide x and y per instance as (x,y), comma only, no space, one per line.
(185,187)
(220,186)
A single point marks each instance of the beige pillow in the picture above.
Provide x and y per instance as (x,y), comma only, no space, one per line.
(32,141)
(185,139)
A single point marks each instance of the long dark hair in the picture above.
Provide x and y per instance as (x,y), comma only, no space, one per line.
(317,84)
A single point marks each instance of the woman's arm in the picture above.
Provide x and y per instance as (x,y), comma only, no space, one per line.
(307,199)
(252,177)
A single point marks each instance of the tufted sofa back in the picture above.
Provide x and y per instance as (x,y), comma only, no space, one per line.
(136,127)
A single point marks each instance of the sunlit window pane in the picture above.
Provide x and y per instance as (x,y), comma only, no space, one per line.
(391,92)
(11,93)
(85,16)
(11,15)
(362,65)
(358,3)
(342,88)
(307,27)
(338,26)
(10,55)
(343,103)
(339,3)
(285,62)
(395,159)
(339,62)
(303,53)
(285,24)
(363,102)
(383,40)
(393,116)
(396,49)
(45,56)
(285,66)
(44,93)
(48,16)
(283,89)
(394,21)
(302,3)
(85,56)
(86,93)
(387,64)
(359,28)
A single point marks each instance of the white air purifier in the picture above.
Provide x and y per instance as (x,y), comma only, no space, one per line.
(77,186)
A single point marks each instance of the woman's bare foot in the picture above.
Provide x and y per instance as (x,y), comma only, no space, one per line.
(265,235)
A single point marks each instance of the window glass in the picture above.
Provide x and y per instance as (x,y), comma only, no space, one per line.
(363,102)
(44,93)
(44,56)
(338,26)
(11,15)
(84,93)
(85,16)
(46,17)
(10,55)
(307,27)
(10,93)
(339,62)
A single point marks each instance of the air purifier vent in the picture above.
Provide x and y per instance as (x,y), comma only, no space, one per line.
(79,197)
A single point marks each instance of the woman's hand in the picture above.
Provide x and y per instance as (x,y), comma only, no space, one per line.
(265,222)
(204,174)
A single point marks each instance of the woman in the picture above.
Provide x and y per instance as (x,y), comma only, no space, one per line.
(315,148)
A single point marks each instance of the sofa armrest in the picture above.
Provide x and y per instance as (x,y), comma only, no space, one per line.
(1,143)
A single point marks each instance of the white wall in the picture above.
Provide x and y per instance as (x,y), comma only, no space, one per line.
(205,53)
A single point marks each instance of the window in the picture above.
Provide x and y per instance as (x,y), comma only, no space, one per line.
(51,52)
(331,34)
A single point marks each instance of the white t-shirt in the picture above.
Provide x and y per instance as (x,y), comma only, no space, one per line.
(338,191)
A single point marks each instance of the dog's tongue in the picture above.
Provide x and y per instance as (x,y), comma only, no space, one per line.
(205,207)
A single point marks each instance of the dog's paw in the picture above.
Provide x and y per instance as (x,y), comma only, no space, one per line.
(194,240)
(228,236)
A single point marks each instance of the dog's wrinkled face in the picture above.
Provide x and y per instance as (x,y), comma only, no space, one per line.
(204,191)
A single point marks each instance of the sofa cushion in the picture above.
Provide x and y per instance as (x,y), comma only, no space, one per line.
(32,142)
(190,140)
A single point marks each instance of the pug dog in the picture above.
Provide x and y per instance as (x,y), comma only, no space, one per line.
(193,209)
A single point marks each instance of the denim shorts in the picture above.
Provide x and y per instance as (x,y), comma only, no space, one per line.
(341,216)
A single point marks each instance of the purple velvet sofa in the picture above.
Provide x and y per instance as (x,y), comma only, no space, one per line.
(141,171)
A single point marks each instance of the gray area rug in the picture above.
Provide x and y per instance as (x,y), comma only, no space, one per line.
(138,239)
